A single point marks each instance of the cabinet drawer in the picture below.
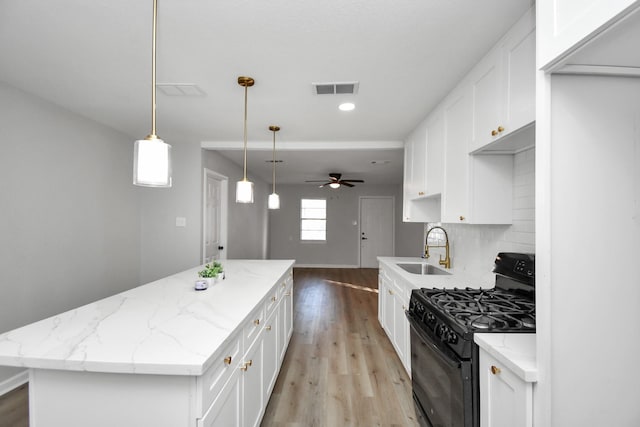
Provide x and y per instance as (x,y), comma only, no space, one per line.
(252,327)
(271,303)
(285,285)
(208,385)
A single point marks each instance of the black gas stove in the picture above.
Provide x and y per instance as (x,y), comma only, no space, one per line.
(443,322)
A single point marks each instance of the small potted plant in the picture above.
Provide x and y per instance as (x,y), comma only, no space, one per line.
(211,272)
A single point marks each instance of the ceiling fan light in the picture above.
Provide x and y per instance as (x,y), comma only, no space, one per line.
(274,201)
(152,163)
(244,191)
(334,185)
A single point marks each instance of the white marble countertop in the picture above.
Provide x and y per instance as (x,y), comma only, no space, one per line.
(516,351)
(164,327)
(458,277)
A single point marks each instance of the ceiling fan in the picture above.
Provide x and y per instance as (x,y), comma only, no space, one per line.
(336,182)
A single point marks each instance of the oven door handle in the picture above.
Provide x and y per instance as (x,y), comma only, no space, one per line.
(447,356)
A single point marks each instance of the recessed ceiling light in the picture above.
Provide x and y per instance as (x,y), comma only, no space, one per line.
(346,106)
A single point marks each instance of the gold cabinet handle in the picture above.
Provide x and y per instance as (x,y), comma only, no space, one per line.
(227,360)
(246,365)
(256,322)
(268,328)
(462,218)
(420,193)
(495,370)
(273,299)
(390,292)
(500,129)
(494,132)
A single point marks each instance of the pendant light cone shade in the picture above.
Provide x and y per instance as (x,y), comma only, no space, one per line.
(152,163)
(244,188)
(274,199)
(152,156)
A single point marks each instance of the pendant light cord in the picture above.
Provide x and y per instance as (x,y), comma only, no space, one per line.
(245,133)
(153,72)
(274,161)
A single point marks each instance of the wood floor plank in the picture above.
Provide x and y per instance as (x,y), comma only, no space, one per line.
(14,408)
(336,321)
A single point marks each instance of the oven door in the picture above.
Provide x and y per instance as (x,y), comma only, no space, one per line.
(442,382)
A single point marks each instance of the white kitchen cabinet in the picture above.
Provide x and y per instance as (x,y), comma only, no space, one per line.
(393,300)
(271,353)
(418,142)
(285,317)
(566,25)
(227,407)
(406,182)
(434,173)
(506,400)
(253,402)
(503,86)
(457,122)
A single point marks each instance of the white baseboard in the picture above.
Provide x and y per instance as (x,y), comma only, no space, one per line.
(326,266)
(14,382)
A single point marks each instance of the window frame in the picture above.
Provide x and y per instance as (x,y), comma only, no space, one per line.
(305,218)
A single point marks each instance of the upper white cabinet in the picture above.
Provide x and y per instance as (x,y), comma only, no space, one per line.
(565,25)
(457,125)
(490,114)
(503,86)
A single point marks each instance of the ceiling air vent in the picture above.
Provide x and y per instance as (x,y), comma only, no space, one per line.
(335,88)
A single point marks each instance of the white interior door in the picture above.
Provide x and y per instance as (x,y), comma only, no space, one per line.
(376,229)
(214,216)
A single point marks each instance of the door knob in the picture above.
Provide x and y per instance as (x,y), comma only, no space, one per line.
(364,238)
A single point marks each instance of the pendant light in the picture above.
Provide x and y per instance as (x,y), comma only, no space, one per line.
(244,188)
(274,199)
(151,155)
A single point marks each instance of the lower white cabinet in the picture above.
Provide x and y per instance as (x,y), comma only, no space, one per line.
(249,379)
(393,301)
(506,400)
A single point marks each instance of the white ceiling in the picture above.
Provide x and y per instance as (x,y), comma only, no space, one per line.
(93,57)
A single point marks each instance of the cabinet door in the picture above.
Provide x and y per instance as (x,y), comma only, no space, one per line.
(381,297)
(252,397)
(285,320)
(271,353)
(457,118)
(487,106)
(434,173)
(406,183)
(505,399)
(418,161)
(564,25)
(519,53)
(401,332)
(226,409)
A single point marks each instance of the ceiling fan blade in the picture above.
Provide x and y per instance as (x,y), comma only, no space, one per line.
(346,184)
(320,180)
(352,180)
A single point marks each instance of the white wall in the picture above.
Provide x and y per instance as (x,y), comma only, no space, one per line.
(69,213)
(342,245)
(474,247)
(248,223)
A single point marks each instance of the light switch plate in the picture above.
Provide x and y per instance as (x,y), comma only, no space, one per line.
(181,221)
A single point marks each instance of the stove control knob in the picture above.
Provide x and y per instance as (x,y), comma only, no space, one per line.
(431,318)
(439,330)
(452,338)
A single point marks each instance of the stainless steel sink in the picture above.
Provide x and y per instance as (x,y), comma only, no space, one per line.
(422,269)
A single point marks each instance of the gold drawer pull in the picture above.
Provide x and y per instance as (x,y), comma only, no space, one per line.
(268,328)
(500,129)
(462,218)
(273,299)
(227,360)
(495,370)
(390,292)
(494,132)
(256,322)
(246,365)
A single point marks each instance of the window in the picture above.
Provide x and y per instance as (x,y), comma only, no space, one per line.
(313,219)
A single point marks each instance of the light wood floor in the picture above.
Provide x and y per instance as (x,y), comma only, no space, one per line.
(340,368)
(14,408)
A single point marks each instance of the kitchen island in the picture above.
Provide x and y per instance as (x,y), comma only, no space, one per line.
(161,354)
